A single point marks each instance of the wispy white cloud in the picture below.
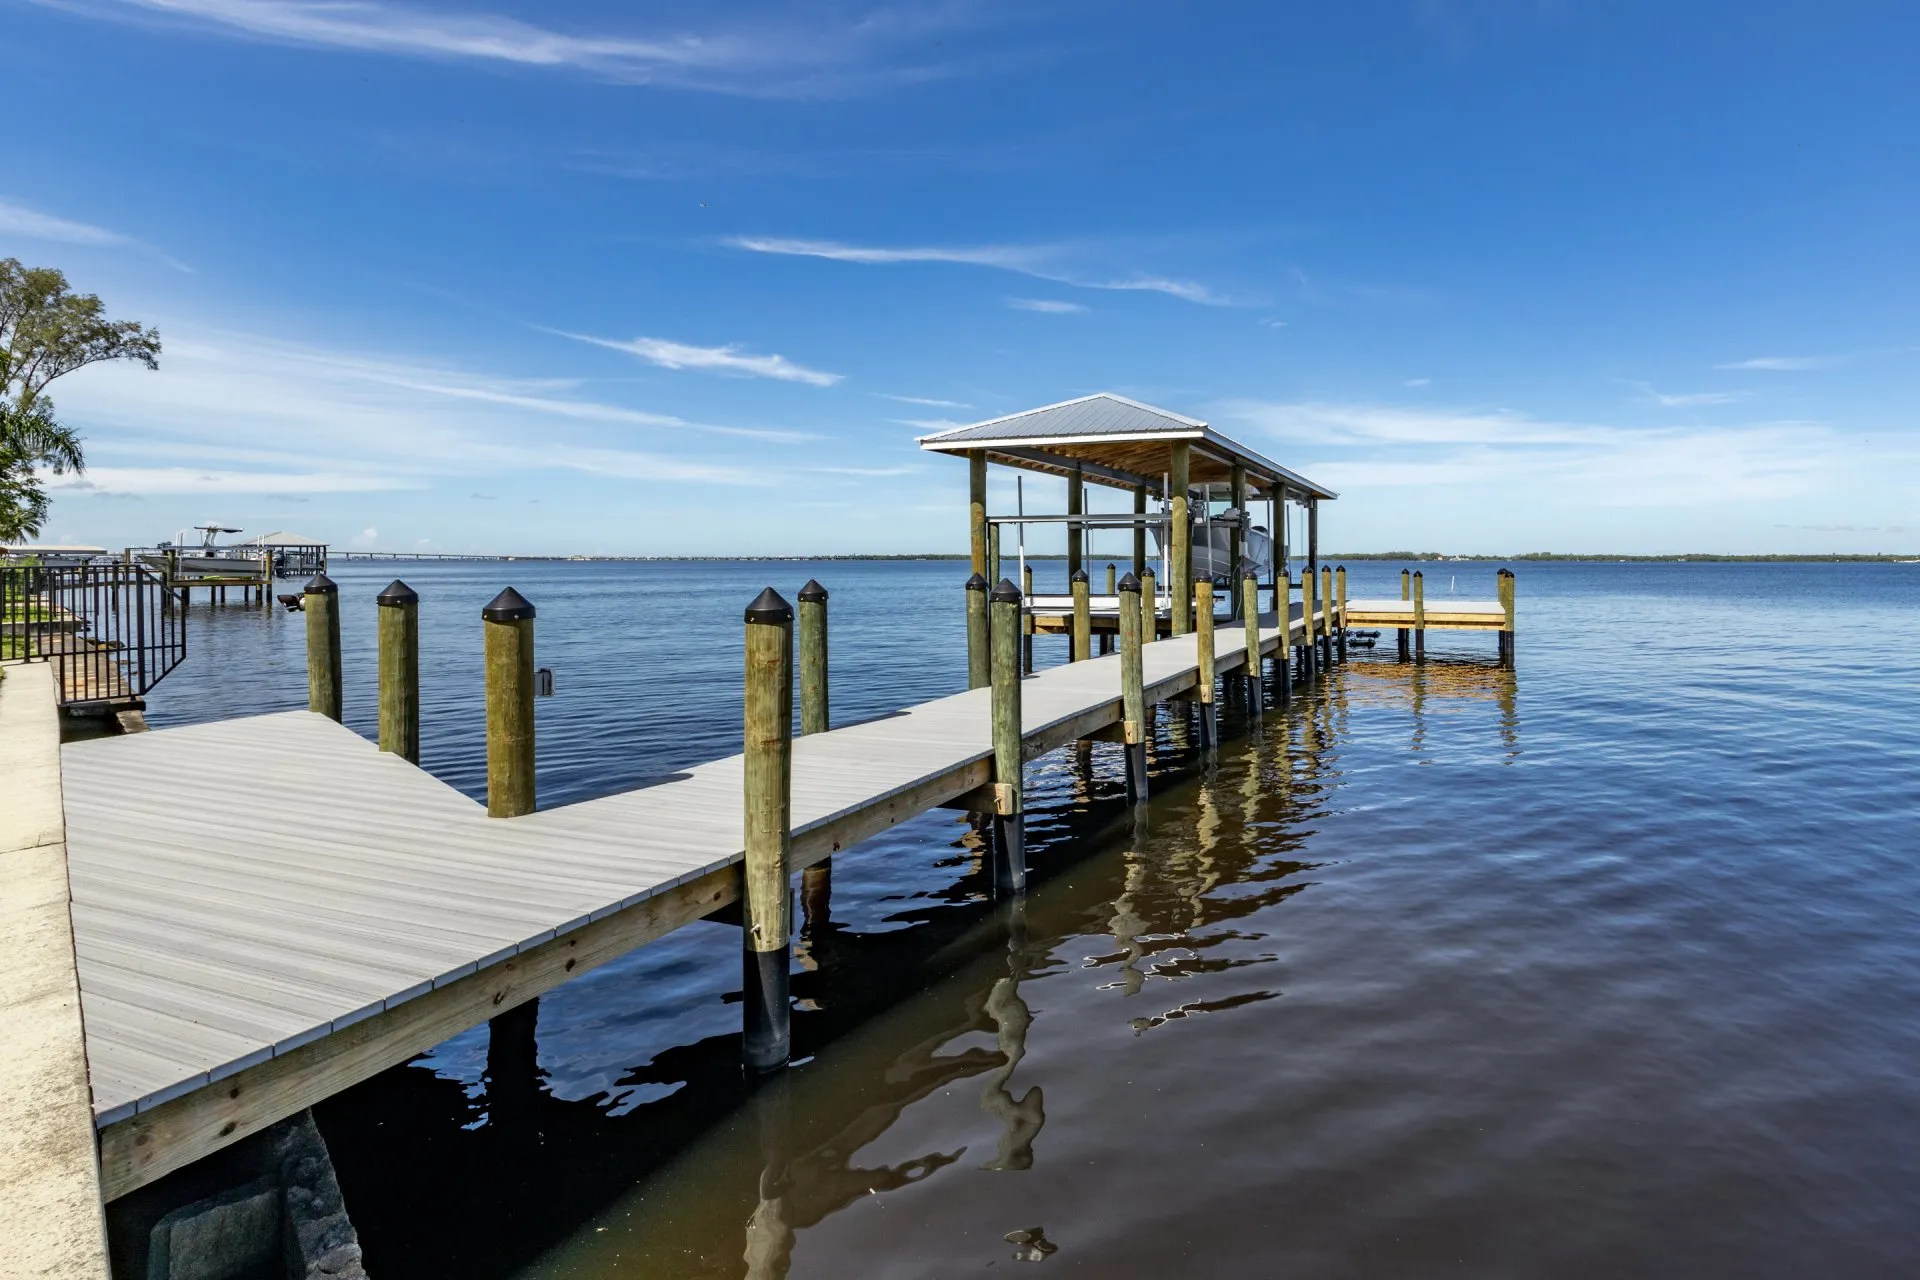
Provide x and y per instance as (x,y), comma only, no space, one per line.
(1358,446)
(17,219)
(158,480)
(1786,364)
(1043,262)
(809,56)
(1046,306)
(727,359)
(241,413)
(923,400)
(1689,399)
(927,426)
(1419,382)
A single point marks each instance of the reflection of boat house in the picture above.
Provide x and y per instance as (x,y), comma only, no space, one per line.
(1204,488)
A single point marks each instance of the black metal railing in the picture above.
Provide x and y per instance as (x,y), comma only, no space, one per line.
(111,631)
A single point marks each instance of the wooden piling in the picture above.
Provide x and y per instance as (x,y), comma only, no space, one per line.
(993,553)
(1310,648)
(1133,700)
(1340,609)
(767,770)
(1180,554)
(1082,617)
(816,882)
(1010,853)
(1419,615)
(1149,608)
(979,673)
(508,624)
(1250,619)
(1283,605)
(1203,662)
(399,613)
(1406,593)
(1506,600)
(1326,609)
(322,607)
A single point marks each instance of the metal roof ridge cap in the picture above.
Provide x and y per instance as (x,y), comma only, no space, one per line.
(1008,417)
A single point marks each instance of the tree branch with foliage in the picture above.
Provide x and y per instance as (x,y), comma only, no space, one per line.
(46,332)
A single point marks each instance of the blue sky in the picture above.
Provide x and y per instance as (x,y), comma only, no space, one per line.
(689,278)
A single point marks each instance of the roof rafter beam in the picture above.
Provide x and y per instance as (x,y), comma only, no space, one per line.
(1090,470)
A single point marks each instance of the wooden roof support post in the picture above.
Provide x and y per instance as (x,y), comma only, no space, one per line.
(1076,532)
(1180,552)
(1250,619)
(1140,530)
(977,507)
(1237,539)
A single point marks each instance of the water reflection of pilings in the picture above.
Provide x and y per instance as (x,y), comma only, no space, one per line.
(1024,1116)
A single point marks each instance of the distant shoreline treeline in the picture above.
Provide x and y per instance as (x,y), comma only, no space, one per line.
(1329,557)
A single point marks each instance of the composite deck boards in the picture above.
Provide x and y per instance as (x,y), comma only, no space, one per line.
(206,945)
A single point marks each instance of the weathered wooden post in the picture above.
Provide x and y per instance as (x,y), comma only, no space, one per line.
(816,882)
(1133,700)
(399,610)
(322,607)
(1506,631)
(1237,537)
(508,623)
(993,553)
(1406,593)
(1009,824)
(1309,648)
(1203,656)
(1082,617)
(767,766)
(1149,608)
(1076,531)
(1180,555)
(1326,608)
(977,508)
(266,578)
(1250,619)
(1026,620)
(979,673)
(1283,600)
(1139,530)
(1419,615)
(1340,609)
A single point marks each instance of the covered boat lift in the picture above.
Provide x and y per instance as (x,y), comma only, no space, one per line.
(1109,440)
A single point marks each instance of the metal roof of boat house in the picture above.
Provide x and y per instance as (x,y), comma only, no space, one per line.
(1118,442)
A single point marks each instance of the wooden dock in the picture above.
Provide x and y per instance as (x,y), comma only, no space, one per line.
(232,976)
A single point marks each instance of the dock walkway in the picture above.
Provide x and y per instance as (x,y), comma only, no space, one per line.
(231,975)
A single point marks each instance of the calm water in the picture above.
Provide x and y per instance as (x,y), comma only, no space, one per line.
(1606,966)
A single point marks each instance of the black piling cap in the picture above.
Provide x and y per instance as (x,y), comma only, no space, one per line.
(1005,593)
(1130,583)
(813,593)
(1079,575)
(508,606)
(397,594)
(322,585)
(768,606)
(977,582)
